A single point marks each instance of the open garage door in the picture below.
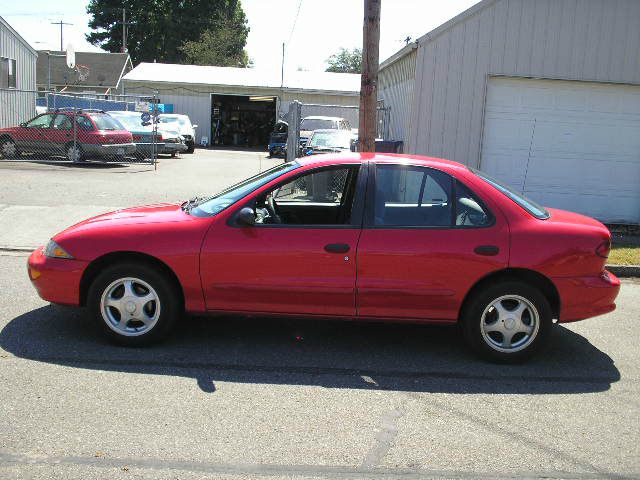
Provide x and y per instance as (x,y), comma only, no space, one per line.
(242,120)
(566,144)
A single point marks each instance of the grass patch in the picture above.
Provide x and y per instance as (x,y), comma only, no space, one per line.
(624,255)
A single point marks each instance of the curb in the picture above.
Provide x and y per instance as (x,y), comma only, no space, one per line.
(624,270)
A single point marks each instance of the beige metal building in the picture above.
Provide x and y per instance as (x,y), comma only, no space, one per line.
(17,72)
(543,94)
(243,100)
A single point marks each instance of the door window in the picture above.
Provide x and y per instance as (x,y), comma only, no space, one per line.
(412,196)
(62,122)
(322,197)
(43,121)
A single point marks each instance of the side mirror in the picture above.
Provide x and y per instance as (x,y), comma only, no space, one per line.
(23,125)
(246,217)
(195,125)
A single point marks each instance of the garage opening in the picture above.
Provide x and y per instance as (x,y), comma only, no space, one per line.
(243,121)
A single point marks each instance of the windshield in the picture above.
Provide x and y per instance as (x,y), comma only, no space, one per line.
(231,195)
(105,122)
(317,124)
(130,122)
(530,206)
(330,139)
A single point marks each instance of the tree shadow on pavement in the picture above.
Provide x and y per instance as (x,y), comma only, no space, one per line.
(418,358)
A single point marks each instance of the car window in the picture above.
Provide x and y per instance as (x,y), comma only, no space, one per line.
(529,205)
(317,124)
(43,121)
(105,122)
(469,209)
(412,196)
(84,123)
(217,203)
(62,122)
(323,197)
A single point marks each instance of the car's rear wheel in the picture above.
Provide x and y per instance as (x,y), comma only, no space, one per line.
(135,304)
(8,149)
(507,322)
(74,152)
(191,146)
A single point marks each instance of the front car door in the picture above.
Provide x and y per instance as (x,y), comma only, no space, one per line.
(34,136)
(299,257)
(427,239)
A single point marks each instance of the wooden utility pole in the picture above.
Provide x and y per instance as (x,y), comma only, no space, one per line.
(369,81)
(61,23)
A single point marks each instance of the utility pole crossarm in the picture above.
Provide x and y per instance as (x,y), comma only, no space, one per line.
(61,23)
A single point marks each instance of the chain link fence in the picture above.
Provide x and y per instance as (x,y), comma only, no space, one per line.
(81,128)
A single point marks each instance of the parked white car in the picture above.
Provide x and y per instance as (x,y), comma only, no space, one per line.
(317,122)
(182,124)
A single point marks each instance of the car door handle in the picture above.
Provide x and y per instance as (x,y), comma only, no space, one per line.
(487,250)
(337,248)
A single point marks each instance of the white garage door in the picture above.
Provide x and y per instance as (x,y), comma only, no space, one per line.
(570,145)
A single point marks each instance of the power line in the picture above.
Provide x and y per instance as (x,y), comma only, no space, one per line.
(295,21)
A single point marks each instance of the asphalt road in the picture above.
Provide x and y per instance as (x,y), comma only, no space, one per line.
(230,398)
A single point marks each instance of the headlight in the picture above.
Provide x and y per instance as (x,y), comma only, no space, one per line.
(53,250)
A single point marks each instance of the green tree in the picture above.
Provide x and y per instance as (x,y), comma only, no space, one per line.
(345,61)
(161,30)
(218,47)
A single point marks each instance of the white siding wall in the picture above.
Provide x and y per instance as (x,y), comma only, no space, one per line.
(395,89)
(195,100)
(15,106)
(591,40)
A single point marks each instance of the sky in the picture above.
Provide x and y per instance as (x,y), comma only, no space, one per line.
(312,30)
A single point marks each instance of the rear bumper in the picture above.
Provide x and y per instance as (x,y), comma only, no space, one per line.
(56,280)
(109,150)
(585,297)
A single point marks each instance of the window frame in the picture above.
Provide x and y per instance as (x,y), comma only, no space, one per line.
(12,65)
(357,210)
(369,215)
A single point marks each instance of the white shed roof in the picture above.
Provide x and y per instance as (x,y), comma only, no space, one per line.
(246,77)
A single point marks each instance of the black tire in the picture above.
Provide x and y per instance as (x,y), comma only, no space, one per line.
(191,147)
(8,142)
(170,303)
(485,344)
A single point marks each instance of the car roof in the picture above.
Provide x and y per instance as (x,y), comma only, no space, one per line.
(332,131)
(380,158)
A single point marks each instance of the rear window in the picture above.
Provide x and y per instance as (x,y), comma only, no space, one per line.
(317,124)
(529,205)
(105,122)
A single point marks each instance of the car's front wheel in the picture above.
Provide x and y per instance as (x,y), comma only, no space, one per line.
(135,304)
(507,322)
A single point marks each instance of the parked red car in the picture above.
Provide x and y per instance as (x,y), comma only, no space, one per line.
(97,135)
(351,236)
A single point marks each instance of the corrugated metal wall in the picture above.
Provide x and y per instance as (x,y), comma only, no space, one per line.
(16,106)
(594,40)
(395,89)
(195,100)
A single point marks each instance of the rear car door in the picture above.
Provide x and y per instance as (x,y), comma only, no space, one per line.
(427,239)
(302,264)
(61,132)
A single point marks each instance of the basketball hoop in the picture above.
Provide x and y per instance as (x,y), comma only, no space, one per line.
(83,72)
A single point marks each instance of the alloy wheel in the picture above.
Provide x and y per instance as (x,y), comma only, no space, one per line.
(130,306)
(509,323)
(8,149)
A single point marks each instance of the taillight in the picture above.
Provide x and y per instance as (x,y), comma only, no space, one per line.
(604,248)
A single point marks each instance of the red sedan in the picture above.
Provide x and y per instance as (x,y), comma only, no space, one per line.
(353,236)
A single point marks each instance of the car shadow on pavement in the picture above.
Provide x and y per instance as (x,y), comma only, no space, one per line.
(418,358)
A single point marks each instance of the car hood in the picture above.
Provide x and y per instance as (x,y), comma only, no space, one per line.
(145,215)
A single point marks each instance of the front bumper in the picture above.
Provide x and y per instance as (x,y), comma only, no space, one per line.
(585,297)
(56,280)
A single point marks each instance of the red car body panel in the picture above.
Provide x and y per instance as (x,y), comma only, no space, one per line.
(401,274)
